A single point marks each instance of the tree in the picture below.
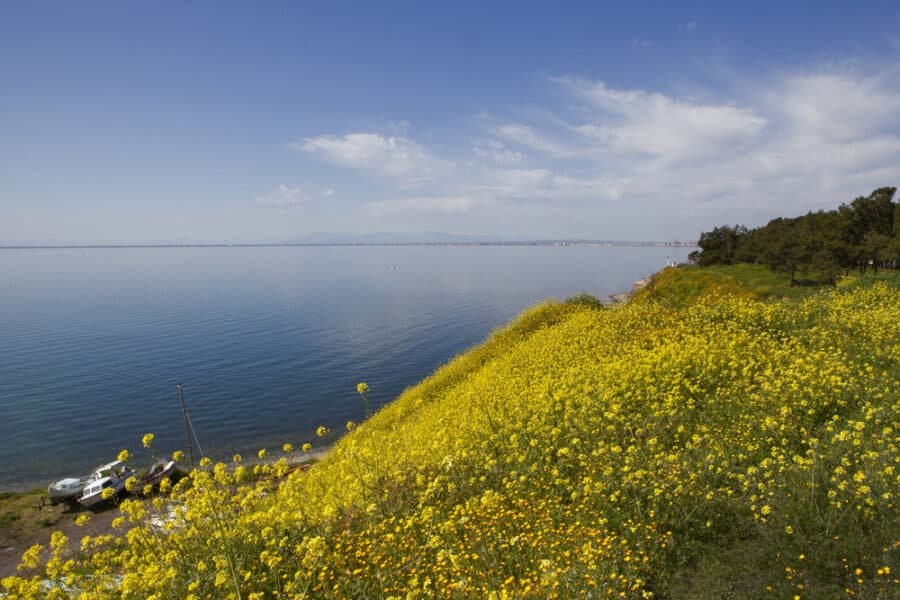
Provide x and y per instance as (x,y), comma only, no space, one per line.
(782,247)
(855,235)
(719,246)
(877,248)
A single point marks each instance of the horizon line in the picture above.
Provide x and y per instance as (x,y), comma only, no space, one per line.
(537,242)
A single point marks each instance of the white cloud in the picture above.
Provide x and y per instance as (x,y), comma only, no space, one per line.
(835,107)
(544,184)
(689,27)
(524,135)
(516,179)
(653,124)
(435,204)
(283,196)
(394,157)
(775,146)
(497,152)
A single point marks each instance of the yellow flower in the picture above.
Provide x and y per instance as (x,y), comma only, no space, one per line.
(288,448)
(351,425)
(321,431)
(362,388)
(789,530)
(262,453)
(307,447)
(176,456)
(82,519)
(205,461)
(147,439)
(107,493)
(124,455)
(236,458)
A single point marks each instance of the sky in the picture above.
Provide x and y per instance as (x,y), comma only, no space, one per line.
(128,122)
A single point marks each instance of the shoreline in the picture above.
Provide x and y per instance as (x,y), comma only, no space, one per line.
(296,457)
(40,519)
(11,548)
(40,484)
(623,297)
(364,244)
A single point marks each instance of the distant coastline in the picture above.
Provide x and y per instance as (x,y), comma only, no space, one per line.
(552,243)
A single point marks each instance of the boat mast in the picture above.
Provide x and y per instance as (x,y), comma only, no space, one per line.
(187,425)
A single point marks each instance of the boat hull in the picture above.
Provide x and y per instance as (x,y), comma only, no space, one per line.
(67,490)
(93,497)
(158,472)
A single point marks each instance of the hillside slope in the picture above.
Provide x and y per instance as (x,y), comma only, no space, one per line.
(729,448)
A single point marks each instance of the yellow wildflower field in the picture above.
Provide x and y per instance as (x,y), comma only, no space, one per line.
(630,451)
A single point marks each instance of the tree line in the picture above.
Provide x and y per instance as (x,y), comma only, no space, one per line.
(818,246)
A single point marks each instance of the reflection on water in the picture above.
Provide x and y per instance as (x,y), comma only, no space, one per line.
(269,342)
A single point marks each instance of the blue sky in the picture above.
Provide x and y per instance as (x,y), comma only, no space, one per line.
(214,121)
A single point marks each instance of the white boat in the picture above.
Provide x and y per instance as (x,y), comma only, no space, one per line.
(68,489)
(112,475)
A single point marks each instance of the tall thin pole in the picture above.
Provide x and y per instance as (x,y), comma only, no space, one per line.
(187,434)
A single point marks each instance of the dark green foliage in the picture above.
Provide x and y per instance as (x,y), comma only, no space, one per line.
(720,245)
(586,299)
(817,247)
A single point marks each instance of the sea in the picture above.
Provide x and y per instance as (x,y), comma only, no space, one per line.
(268,342)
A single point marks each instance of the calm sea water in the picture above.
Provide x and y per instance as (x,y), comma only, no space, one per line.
(268,342)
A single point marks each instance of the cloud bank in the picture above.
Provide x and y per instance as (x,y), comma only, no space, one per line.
(790,143)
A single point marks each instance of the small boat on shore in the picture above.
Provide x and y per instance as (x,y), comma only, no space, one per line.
(68,489)
(112,475)
(157,472)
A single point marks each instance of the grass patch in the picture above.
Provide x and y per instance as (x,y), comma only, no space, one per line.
(587,300)
(6,519)
(681,286)
(22,516)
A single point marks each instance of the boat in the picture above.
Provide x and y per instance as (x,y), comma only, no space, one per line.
(111,475)
(157,472)
(68,489)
